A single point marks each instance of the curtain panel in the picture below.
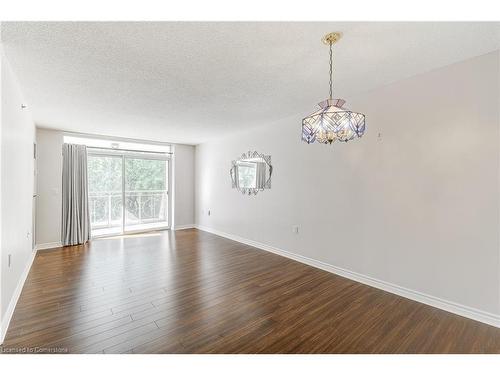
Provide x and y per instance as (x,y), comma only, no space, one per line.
(260,178)
(75,205)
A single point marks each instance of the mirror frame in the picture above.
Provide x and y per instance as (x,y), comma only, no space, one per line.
(250,155)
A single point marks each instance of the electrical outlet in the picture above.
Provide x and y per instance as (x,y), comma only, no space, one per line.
(208,212)
(295,229)
(9,261)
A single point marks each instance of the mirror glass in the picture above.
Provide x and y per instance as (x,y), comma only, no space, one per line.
(251,173)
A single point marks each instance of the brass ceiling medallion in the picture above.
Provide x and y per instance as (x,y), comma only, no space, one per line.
(332,122)
(331,38)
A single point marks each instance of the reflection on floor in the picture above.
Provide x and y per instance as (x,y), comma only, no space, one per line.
(193,292)
(132,235)
(117,230)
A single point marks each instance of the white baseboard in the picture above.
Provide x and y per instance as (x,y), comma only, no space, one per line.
(48,245)
(15,296)
(185,226)
(453,307)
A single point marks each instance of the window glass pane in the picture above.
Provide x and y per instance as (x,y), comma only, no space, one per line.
(146,199)
(105,194)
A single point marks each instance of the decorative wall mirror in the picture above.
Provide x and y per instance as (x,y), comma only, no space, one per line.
(251,172)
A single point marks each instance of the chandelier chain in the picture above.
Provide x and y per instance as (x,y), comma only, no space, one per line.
(331,72)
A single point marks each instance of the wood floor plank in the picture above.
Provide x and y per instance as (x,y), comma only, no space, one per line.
(194,292)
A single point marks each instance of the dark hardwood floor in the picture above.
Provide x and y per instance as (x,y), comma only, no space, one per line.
(193,292)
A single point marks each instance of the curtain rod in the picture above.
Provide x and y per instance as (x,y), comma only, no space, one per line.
(124,149)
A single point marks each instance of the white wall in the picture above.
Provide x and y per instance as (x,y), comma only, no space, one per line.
(49,179)
(417,207)
(17,177)
(49,143)
(183,186)
(1,252)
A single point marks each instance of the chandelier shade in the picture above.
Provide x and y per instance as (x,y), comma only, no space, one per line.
(332,122)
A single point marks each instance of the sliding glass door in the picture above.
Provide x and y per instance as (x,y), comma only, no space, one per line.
(127,192)
(146,195)
(105,194)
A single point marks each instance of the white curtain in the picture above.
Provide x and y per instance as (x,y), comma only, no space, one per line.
(260,178)
(75,204)
(236,176)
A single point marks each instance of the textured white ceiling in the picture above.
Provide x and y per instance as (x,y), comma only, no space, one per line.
(188,82)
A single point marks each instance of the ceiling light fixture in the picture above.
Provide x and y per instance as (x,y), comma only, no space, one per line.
(332,122)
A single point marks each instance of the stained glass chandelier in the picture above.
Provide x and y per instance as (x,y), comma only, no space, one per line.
(332,122)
